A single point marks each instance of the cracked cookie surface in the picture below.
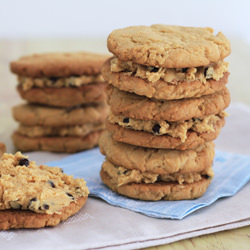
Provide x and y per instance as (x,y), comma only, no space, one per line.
(58,64)
(168,46)
(139,107)
(156,161)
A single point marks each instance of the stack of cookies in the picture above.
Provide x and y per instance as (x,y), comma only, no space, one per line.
(167,97)
(66,108)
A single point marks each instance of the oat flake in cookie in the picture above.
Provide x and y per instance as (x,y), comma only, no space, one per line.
(167,95)
(52,196)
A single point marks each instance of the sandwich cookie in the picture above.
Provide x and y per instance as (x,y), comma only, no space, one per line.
(52,196)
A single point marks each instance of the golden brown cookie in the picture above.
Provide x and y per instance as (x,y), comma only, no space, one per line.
(161,89)
(77,130)
(33,115)
(65,96)
(52,195)
(139,107)
(175,129)
(156,161)
(149,140)
(160,190)
(2,149)
(10,219)
(67,144)
(59,64)
(168,46)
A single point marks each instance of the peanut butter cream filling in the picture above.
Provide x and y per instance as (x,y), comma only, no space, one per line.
(122,176)
(41,189)
(77,130)
(175,129)
(58,82)
(171,75)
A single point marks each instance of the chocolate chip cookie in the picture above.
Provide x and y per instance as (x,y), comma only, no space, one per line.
(60,79)
(52,196)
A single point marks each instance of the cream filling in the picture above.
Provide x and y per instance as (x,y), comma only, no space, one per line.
(78,130)
(57,82)
(152,74)
(175,129)
(122,176)
(41,189)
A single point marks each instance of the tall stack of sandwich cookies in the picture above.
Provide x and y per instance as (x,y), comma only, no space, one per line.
(167,95)
(65,109)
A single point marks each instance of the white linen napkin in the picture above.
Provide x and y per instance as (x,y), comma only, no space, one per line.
(100,225)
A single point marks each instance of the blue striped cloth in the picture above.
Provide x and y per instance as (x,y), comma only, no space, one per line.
(232,172)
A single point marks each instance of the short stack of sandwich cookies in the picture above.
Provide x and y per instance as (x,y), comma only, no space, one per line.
(65,109)
(167,95)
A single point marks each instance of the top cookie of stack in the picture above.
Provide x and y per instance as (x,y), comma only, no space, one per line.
(59,84)
(150,61)
(166,94)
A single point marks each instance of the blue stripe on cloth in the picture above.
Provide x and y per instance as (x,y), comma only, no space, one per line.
(232,172)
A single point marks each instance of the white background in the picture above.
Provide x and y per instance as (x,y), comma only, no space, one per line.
(84,25)
(97,18)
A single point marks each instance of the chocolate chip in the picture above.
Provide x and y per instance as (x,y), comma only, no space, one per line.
(207,176)
(184,70)
(205,72)
(51,183)
(154,70)
(45,207)
(126,120)
(70,195)
(156,129)
(61,170)
(32,200)
(24,162)
(53,79)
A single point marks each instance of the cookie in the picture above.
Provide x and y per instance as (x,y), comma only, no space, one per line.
(160,190)
(59,64)
(156,161)
(2,149)
(139,107)
(77,130)
(52,196)
(178,129)
(65,96)
(149,140)
(37,115)
(172,88)
(168,46)
(67,144)
(13,219)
